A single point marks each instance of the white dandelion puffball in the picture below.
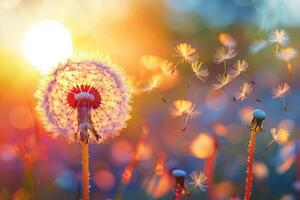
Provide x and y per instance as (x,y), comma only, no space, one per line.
(85,100)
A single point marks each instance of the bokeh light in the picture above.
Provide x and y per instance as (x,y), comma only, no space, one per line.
(104,179)
(203,146)
(20,118)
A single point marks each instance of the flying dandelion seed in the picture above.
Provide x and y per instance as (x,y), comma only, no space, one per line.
(245,90)
(200,71)
(286,54)
(151,62)
(181,107)
(227,40)
(221,83)
(280,136)
(165,67)
(281,91)
(85,100)
(186,53)
(222,55)
(198,180)
(152,85)
(239,67)
(279,38)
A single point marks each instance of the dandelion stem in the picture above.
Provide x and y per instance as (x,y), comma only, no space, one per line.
(186,121)
(284,104)
(175,66)
(298,165)
(249,179)
(190,81)
(209,172)
(85,171)
(177,195)
(276,48)
(269,144)
(225,67)
(160,96)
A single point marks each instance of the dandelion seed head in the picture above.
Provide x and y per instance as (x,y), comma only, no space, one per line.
(85,95)
(239,67)
(186,52)
(178,173)
(181,107)
(198,180)
(200,70)
(281,90)
(245,90)
(222,54)
(279,37)
(227,40)
(256,123)
(222,80)
(286,54)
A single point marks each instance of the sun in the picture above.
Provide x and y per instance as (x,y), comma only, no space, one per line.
(46,44)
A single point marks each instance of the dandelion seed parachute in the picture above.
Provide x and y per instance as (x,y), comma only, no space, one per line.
(89,95)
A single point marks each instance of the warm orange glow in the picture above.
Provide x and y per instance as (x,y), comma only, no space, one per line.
(224,189)
(121,151)
(246,114)
(144,152)
(159,187)
(203,146)
(160,165)
(20,118)
(260,170)
(127,174)
(105,180)
(220,129)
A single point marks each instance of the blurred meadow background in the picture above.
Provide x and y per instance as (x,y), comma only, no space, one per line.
(138,163)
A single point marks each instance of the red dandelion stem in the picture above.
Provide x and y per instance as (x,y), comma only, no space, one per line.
(249,179)
(85,171)
(298,166)
(177,195)
(209,172)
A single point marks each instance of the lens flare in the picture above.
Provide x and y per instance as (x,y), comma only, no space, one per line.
(46,44)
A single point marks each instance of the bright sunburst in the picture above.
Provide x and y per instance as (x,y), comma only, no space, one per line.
(46,44)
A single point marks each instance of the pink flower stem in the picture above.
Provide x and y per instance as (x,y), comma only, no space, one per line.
(249,179)
(209,172)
